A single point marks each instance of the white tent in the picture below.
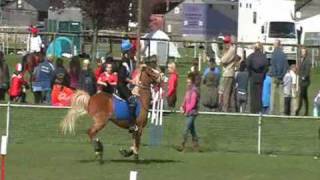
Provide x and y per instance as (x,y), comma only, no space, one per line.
(156,47)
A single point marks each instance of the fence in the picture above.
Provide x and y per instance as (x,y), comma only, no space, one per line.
(224,132)
(108,42)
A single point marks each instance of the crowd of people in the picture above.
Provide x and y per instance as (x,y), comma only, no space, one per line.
(239,84)
(255,84)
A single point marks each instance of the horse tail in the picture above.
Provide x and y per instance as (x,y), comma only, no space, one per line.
(79,106)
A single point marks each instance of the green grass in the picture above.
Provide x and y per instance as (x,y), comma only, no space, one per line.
(38,151)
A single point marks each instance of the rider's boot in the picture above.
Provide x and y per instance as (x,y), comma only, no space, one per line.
(132,109)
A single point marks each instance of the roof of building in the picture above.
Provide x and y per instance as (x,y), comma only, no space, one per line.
(308,8)
(41,5)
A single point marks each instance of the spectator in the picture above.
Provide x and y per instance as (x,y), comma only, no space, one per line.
(195,71)
(287,92)
(17,91)
(257,68)
(189,108)
(266,93)
(4,77)
(108,80)
(74,72)
(279,67)
(87,80)
(304,81)
(317,105)
(61,95)
(172,85)
(99,69)
(61,71)
(211,75)
(228,62)
(34,41)
(36,86)
(46,75)
(294,93)
(241,81)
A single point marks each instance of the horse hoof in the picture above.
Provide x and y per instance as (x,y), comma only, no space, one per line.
(126,153)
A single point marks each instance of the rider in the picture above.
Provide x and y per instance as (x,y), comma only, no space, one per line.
(124,74)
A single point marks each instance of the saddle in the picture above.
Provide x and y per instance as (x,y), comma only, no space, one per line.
(121,108)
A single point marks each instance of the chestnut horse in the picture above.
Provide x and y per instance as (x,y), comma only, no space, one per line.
(100,109)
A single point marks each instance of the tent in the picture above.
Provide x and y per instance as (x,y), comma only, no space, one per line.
(162,49)
(60,46)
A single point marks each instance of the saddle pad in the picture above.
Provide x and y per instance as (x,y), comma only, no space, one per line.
(121,109)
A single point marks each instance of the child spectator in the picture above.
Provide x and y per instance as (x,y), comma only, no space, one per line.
(61,95)
(172,85)
(287,92)
(99,69)
(87,80)
(317,105)
(74,72)
(18,85)
(294,98)
(61,70)
(189,108)
(241,80)
(266,93)
(211,75)
(108,80)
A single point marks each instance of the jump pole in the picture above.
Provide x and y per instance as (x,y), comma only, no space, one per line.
(4,144)
(133,175)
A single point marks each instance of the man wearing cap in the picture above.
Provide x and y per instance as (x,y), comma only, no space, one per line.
(34,42)
(228,61)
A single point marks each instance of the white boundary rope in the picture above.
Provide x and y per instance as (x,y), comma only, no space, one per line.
(166,111)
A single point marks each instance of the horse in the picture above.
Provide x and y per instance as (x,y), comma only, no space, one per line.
(100,108)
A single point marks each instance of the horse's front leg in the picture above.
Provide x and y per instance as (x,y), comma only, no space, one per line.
(136,143)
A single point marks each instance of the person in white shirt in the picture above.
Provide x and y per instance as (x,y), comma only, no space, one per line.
(294,97)
(34,42)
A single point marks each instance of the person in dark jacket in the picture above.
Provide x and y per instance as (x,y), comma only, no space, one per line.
(304,81)
(257,65)
(279,67)
(4,77)
(87,80)
(61,71)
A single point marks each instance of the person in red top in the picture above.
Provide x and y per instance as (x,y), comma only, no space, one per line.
(172,85)
(17,85)
(108,80)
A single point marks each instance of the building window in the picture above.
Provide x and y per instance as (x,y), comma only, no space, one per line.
(247,5)
(254,17)
(232,7)
(240,4)
(250,6)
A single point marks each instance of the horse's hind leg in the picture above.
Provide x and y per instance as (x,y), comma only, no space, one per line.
(99,123)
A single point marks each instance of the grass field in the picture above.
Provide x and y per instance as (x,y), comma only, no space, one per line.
(37,150)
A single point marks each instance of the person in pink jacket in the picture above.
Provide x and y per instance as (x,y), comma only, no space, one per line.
(172,85)
(189,108)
